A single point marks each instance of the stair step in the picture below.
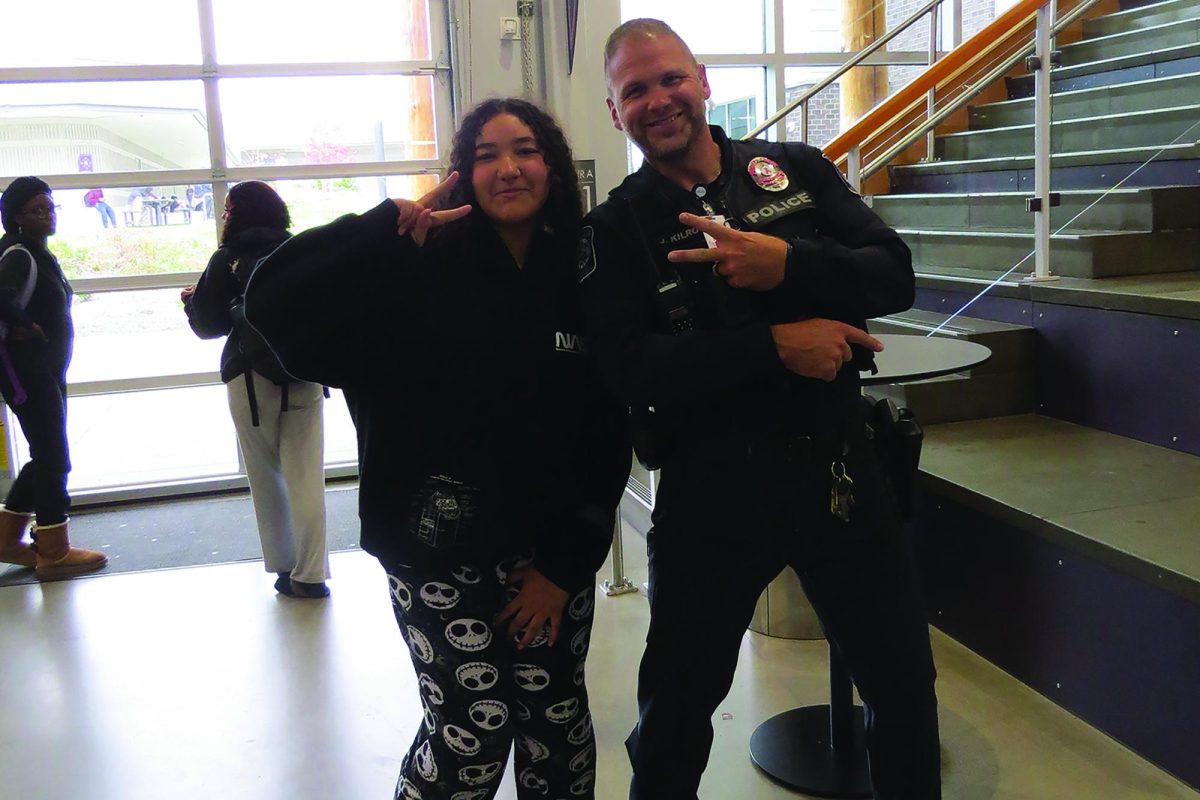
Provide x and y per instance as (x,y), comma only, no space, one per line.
(1098,255)
(1119,210)
(1070,558)
(1143,40)
(1136,129)
(1172,165)
(1133,505)
(1174,295)
(1099,101)
(1112,71)
(1141,17)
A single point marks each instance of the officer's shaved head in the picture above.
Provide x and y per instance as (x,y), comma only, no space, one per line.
(646,27)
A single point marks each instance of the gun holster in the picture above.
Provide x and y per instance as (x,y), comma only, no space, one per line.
(897,437)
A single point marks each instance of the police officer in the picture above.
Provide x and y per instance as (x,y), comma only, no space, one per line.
(727,286)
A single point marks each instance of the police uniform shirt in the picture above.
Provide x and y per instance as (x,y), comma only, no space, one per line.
(721,375)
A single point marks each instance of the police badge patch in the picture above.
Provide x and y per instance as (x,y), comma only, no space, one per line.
(767,174)
(587,254)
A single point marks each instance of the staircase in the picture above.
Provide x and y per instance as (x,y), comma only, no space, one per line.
(1059,525)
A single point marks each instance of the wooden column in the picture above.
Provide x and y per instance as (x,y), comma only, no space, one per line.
(862,87)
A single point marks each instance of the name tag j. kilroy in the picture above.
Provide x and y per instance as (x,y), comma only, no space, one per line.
(777,208)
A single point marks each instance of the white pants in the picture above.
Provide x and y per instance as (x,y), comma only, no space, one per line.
(285,458)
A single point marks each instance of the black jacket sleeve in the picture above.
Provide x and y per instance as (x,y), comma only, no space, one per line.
(643,364)
(208,307)
(571,550)
(14,273)
(858,267)
(320,297)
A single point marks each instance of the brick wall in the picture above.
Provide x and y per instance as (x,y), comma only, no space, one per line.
(975,15)
(824,114)
(824,110)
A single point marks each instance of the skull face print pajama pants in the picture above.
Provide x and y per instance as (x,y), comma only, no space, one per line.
(480,694)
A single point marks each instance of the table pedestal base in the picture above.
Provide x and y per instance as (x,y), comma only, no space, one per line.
(795,749)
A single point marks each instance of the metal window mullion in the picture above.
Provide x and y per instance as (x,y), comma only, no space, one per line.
(332,70)
(447,92)
(214,122)
(159,72)
(135,283)
(193,72)
(143,384)
(776,70)
(365,169)
(182,177)
(117,180)
(451,46)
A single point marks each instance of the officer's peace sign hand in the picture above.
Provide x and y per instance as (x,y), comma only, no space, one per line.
(417,216)
(746,260)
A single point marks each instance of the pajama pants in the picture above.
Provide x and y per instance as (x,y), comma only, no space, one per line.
(480,694)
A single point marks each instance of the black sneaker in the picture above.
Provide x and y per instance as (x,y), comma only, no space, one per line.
(313,591)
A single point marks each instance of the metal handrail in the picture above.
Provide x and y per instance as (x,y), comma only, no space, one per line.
(997,73)
(843,69)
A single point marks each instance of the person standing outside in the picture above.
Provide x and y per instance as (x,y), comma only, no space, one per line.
(35,349)
(95,199)
(279,422)
(727,286)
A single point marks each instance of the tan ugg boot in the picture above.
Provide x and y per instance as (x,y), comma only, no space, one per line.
(12,531)
(56,559)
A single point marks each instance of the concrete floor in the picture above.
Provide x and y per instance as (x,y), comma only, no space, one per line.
(202,683)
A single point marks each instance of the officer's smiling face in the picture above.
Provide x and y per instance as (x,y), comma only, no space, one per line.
(656,94)
(510,176)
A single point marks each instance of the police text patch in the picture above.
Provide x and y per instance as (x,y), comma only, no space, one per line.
(776,209)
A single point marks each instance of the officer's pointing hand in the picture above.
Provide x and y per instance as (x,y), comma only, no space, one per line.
(417,217)
(817,348)
(746,260)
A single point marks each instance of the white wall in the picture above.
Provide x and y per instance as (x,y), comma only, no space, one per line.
(491,67)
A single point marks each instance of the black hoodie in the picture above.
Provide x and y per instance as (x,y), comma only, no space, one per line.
(470,384)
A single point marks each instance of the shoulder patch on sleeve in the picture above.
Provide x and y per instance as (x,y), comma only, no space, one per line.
(587,253)
(842,175)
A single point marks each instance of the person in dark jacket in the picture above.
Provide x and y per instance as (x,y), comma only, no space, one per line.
(279,422)
(35,349)
(491,459)
(727,286)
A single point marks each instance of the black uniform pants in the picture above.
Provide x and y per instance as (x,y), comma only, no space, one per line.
(41,486)
(707,571)
(480,693)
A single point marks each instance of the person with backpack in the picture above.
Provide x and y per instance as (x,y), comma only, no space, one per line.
(36,339)
(279,420)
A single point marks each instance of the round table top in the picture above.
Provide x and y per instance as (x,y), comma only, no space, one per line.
(907,357)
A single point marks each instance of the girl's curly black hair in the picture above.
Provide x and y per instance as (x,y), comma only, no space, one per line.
(254,204)
(564,206)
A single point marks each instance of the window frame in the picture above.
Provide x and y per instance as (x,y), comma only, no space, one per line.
(775,59)
(439,66)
